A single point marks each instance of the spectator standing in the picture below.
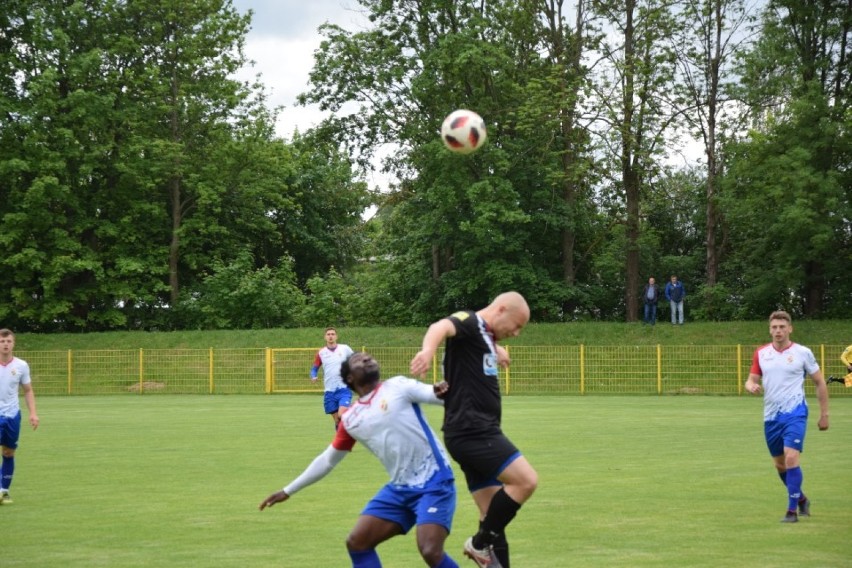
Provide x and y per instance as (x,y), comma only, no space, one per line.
(675,293)
(651,294)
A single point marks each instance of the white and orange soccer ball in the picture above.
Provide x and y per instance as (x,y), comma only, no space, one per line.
(463,131)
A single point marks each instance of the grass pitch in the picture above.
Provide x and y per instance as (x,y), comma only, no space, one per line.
(145,481)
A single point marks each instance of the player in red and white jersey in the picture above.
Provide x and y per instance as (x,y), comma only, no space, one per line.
(14,376)
(388,420)
(337,396)
(781,366)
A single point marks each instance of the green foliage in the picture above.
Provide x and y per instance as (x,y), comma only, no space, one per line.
(239,296)
(136,166)
(144,188)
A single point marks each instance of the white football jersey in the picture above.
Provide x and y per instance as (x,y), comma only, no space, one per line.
(391,424)
(12,375)
(783,375)
(331,360)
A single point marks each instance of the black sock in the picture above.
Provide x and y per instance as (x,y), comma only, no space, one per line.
(501,511)
(501,550)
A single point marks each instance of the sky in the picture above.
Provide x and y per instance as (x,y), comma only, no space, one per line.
(281,42)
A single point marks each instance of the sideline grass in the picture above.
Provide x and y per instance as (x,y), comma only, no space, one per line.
(807,332)
(174,481)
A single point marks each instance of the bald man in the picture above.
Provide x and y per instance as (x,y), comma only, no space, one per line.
(498,477)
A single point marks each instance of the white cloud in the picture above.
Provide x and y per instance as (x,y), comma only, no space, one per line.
(282,42)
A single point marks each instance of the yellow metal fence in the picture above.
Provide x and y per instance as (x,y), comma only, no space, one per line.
(559,370)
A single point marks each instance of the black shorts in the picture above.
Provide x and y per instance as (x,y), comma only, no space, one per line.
(482,457)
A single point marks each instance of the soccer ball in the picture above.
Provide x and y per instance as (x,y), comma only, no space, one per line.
(463,131)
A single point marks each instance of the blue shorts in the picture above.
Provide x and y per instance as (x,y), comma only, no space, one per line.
(433,504)
(786,431)
(10,431)
(333,400)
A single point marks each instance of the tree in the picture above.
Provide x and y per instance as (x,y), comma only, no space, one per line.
(710,35)
(635,111)
(788,188)
(136,165)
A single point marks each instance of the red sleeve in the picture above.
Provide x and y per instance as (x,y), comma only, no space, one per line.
(342,440)
(755,364)
(317,360)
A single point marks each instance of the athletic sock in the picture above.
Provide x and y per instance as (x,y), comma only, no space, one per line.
(501,511)
(365,559)
(501,550)
(447,562)
(794,487)
(6,472)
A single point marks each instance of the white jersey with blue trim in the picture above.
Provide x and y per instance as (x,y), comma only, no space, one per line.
(12,375)
(783,375)
(331,360)
(391,424)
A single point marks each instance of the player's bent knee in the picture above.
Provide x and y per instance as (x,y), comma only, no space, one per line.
(431,551)
(356,542)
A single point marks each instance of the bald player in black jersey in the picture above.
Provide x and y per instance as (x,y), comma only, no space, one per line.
(499,478)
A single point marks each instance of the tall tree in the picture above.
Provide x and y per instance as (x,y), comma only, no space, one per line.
(462,228)
(793,170)
(632,93)
(566,52)
(709,36)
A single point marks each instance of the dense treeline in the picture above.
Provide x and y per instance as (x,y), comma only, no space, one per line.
(144,188)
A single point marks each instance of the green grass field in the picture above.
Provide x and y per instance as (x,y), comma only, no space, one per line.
(175,481)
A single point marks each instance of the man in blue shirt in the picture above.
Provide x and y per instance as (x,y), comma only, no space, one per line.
(675,293)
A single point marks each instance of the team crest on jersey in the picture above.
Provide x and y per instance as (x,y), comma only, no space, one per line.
(383,405)
(489,365)
(461,316)
(14,372)
(789,358)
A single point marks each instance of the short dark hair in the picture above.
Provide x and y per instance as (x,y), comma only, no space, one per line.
(6,332)
(780,315)
(331,327)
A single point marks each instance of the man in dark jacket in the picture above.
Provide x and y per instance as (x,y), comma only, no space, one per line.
(650,294)
(675,293)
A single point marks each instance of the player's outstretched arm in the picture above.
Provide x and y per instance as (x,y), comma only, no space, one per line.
(437,333)
(319,468)
(276,497)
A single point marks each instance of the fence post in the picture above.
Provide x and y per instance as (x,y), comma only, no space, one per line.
(141,371)
(739,369)
(210,377)
(582,369)
(508,374)
(268,368)
(70,373)
(659,369)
